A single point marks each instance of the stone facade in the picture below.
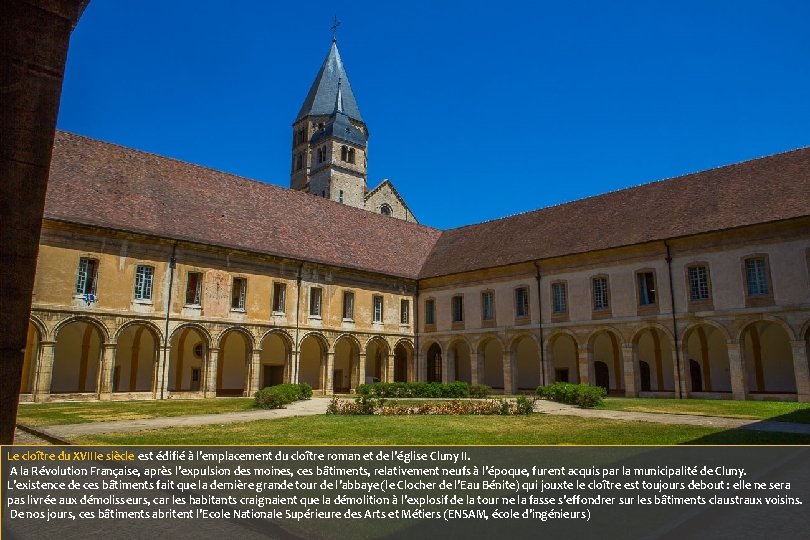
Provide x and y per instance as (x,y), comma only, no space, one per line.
(292,323)
(730,345)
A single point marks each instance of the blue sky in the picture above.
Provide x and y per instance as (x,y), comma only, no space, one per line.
(477,110)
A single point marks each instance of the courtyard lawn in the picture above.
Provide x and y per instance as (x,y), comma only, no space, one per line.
(779,411)
(51,414)
(435,430)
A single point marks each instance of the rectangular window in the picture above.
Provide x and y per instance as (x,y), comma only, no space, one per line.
(488,306)
(646,288)
(522,302)
(430,312)
(279,297)
(194,289)
(378,309)
(238,293)
(404,311)
(600,293)
(698,283)
(144,276)
(340,196)
(559,301)
(348,305)
(458,309)
(86,276)
(757,277)
(315,301)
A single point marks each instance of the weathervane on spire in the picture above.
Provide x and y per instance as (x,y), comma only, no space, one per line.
(334,27)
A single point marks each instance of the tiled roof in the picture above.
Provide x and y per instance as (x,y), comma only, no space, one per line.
(763,190)
(323,93)
(105,185)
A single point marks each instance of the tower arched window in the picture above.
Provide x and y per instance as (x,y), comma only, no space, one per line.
(385,210)
(351,155)
(344,153)
(299,161)
(321,154)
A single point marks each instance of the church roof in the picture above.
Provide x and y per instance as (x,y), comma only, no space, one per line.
(763,190)
(341,128)
(105,185)
(322,95)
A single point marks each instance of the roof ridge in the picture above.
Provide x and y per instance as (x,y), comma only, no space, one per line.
(263,184)
(628,188)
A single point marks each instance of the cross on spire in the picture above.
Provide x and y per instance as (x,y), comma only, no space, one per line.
(334,28)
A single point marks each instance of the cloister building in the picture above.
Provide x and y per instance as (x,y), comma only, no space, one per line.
(158,279)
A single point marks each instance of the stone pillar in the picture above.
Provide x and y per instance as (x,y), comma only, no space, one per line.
(329,382)
(295,358)
(162,374)
(509,372)
(254,375)
(801,370)
(736,368)
(631,383)
(584,364)
(287,374)
(210,387)
(548,366)
(354,372)
(445,368)
(361,369)
(679,368)
(106,371)
(475,375)
(388,362)
(44,367)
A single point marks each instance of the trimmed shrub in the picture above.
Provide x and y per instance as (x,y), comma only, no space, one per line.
(276,397)
(304,390)
(524,405)
(480,391)
(584,395)
(456,389)
(370,405)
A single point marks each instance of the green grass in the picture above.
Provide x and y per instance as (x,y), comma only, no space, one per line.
(780,411)
(434,430)
(51,414)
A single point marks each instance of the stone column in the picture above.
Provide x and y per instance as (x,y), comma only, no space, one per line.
(509,372)
(475,375)
(106,371)
(254,376)
(679,368)
(44,367)
(162,374)
(631,384)
(584,364)
(295,357)
(801,370)
(329,382)
(287,373)
(445,367)
(736,367)
(548,365)
(210,387)
(361,369)
(388,361)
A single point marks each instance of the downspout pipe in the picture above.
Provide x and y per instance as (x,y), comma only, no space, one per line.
(297,363)
(540,319)
(172,265)
(416,332)
(679,389)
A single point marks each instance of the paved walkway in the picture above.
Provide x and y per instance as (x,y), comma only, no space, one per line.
(299,408)
(551,407)
(318,406)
